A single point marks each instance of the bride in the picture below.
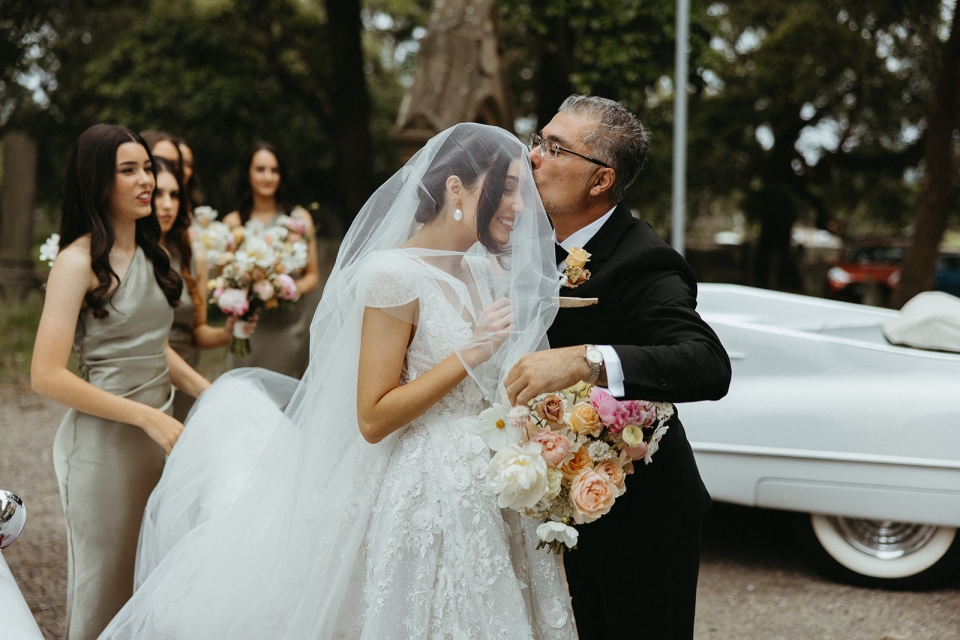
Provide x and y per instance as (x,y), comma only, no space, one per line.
(352,504)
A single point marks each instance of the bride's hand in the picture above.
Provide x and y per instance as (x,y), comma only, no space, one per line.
(162,429)
(493,326)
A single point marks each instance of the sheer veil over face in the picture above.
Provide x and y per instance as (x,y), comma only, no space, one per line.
(279,551)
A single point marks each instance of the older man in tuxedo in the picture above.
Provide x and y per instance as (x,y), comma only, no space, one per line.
(634,573)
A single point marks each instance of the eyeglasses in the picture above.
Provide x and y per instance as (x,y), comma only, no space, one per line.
(549,148)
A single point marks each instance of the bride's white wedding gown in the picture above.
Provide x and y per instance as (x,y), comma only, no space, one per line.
(403,543)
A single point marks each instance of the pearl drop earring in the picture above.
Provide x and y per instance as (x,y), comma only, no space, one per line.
(458,214)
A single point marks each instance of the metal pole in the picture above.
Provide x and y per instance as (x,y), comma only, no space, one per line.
(680,126)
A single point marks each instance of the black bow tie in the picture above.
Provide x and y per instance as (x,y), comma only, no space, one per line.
(561,253)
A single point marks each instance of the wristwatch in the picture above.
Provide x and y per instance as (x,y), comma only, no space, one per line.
(594,358)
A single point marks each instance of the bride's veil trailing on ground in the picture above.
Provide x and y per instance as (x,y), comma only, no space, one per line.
(279,551)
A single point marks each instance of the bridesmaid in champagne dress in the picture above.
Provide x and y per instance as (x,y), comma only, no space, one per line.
(112,291)
(190,331)
(281,343)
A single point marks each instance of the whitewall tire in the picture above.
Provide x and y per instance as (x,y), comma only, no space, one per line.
(879,553)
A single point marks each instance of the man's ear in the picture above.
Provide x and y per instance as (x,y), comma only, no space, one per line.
(603,180)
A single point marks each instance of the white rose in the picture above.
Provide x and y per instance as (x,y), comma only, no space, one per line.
(518,476)
(550,531)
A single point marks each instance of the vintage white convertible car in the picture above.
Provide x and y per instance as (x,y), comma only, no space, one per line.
(826,418)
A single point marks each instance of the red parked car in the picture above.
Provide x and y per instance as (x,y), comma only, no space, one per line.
(867,272)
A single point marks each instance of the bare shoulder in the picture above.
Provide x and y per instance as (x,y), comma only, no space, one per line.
(76,255)
(73,267)
(232,219)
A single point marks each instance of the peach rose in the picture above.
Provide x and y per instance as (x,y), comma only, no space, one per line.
(585,420)
(592,496)
(577,257)
(555,447)
(580,461)
(550,409)
(612,471)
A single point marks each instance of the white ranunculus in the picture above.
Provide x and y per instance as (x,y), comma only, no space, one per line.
(550,531)
(496,428)
(518,476)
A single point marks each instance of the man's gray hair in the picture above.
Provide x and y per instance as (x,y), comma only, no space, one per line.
(619,139)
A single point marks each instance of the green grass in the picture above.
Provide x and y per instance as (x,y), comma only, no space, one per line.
(18,330)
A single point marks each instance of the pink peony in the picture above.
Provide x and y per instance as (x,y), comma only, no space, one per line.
(640,413)
(612,412)
(555,447)
(234,302)
(288,288)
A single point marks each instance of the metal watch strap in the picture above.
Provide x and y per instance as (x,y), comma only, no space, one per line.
(595,368)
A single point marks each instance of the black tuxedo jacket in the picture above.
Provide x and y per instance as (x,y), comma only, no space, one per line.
(647,312)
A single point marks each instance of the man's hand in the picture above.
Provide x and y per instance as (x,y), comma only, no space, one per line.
(544,371)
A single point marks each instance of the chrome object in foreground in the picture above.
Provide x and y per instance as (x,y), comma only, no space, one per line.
(13,515)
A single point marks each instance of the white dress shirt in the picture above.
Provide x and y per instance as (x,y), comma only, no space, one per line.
(611,361)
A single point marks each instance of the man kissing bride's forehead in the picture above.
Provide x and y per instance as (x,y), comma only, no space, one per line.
(644,340)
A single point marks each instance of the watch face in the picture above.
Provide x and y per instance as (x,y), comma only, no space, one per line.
(594,356)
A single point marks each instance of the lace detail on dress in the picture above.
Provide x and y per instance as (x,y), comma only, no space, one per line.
(442,560)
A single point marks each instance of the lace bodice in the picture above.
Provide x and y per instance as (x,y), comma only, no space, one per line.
(441,556)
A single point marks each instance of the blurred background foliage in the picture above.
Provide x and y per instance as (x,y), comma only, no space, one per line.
(809,111)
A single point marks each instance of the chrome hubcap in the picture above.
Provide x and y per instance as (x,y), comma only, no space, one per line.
(883,539)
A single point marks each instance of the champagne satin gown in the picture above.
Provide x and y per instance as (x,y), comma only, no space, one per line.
(106,470)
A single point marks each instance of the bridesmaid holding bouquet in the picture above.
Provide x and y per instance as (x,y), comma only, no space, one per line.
(110,295)
(190,331)
(281,343)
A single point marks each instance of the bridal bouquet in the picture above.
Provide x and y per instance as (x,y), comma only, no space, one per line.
(563,458)
(255,274)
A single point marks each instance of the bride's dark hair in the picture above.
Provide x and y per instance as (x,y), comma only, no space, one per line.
(470,156)
(86,209)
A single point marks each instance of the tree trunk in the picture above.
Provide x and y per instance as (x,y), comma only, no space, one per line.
(351,107)
(556,65)
(939,187)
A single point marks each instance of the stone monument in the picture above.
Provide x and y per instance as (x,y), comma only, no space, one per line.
(459,77)
(17,192)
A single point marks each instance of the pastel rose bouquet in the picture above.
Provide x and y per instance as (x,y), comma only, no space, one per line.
(563,458)
(253,273)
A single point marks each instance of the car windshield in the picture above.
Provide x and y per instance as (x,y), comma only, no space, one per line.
(876,254)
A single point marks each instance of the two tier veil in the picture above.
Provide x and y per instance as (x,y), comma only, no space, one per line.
(256,529)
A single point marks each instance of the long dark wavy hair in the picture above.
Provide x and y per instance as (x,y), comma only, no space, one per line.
(471,156)
(245,191)
(86,209)
(178,238)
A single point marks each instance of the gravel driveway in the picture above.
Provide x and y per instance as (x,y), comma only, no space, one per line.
(753,583)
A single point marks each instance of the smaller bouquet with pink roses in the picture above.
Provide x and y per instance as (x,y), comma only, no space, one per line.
(563,457)
(255,275)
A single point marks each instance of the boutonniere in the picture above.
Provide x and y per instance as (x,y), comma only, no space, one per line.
(574,273)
